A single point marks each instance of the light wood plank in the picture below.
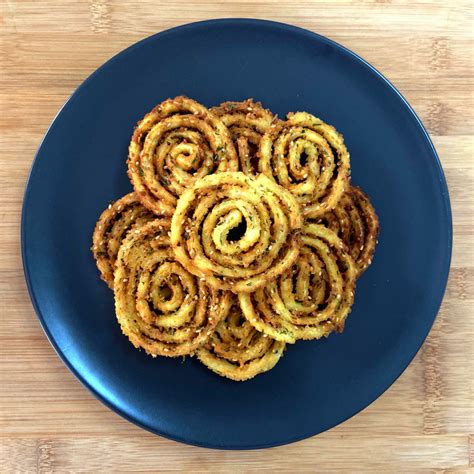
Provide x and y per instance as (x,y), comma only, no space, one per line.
(423,423)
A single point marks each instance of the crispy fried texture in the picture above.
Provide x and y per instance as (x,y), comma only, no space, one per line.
(309,158)
(313,297)
(238,351)
(178,142)
(111,229)
(206,215)
(247,121)
(160,306)
(243,234)
(354,220)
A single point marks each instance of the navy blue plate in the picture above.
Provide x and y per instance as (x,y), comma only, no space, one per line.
(80,166)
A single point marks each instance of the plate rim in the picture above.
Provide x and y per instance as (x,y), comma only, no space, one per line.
(251,22)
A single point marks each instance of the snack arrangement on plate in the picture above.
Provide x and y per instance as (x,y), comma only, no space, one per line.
(243,233)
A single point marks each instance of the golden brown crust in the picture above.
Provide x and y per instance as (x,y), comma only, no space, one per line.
(207,213)
(238,351)
(175,144)
(111,228)
(354,220)
(247,121)
(308,157)
(312,298)
(243,233)
(160,306)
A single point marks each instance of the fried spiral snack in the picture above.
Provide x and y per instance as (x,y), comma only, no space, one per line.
(243,234)
(354,220)
(208,216)
(160,306)
(309,158)
(238,351)
(178,142)
(247,121)
(313,297)
(111,229)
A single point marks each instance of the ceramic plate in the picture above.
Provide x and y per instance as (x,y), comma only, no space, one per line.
(80,166)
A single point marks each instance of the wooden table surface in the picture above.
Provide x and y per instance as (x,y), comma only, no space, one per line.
(50,422)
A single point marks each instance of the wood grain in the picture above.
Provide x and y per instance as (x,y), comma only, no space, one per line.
(423,423)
